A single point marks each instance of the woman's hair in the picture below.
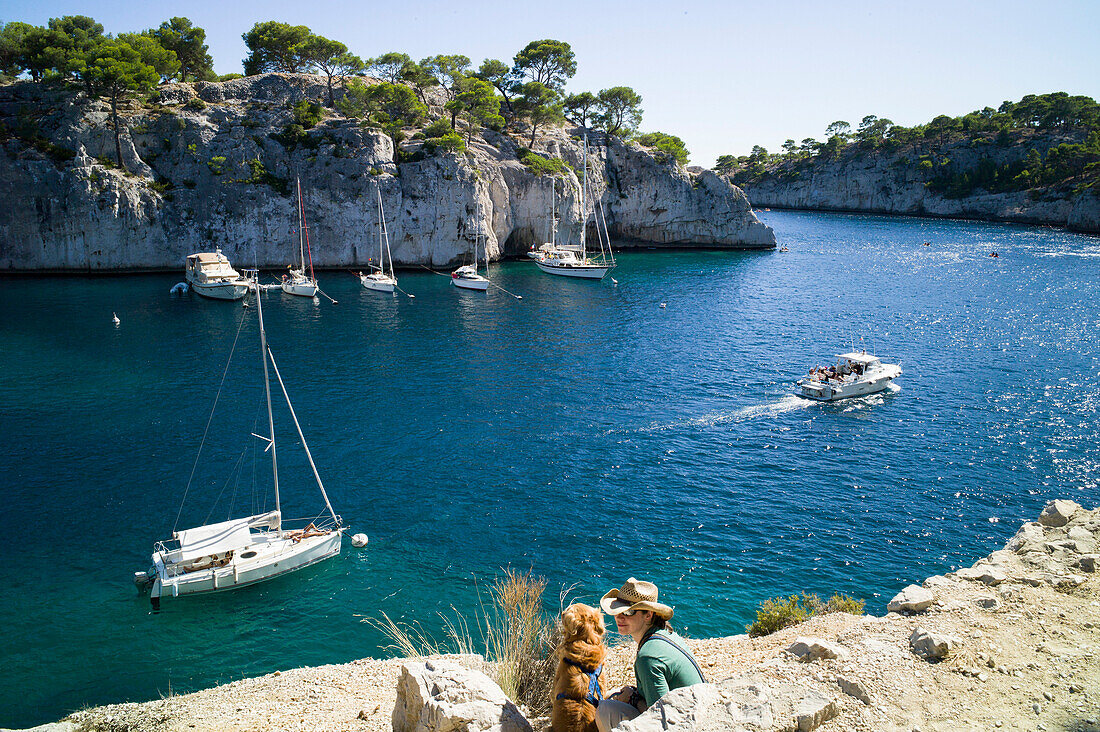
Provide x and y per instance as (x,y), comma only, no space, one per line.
(660,623)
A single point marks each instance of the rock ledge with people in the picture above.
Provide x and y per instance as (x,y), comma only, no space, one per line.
(1009,643)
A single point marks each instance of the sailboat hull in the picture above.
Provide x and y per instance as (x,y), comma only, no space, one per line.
(378,285)
(583,271)
(468,283)
(305,289)
(272,557)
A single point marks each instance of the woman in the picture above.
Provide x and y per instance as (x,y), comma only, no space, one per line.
(662,662)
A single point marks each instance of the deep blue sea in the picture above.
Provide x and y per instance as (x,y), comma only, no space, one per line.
(584,433)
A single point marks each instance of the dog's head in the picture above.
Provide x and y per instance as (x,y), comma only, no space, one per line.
(583,623)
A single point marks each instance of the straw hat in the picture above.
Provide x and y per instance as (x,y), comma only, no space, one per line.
(634,595)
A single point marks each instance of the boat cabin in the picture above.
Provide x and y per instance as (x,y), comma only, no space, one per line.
(210,267)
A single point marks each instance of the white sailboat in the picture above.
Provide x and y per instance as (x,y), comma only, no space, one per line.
(242,551)
(378,280)
(466,277)
(297,282)
(567,261)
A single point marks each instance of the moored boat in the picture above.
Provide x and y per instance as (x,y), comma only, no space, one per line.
(297,282)
(380,280)
(211,275)
(242,551)
(466,277)
(855,374)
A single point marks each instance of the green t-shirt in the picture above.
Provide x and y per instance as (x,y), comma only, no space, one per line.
(661,667)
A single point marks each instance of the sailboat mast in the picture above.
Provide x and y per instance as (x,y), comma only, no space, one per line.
(553,213)
(270,417)
(301,232)
(584,202)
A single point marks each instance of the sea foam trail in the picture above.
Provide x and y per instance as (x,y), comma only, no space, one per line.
(788,403)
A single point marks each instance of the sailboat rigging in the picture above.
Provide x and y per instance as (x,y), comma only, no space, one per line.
(573,260)
(466,277)
(378,280)
(297,282)
(243,551)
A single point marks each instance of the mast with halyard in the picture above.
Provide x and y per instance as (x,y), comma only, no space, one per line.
(243,551)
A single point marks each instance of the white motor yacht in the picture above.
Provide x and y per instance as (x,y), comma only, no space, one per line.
(855,374)
(211,275)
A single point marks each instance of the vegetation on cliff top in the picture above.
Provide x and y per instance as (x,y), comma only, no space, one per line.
(1046,142)
(522,97)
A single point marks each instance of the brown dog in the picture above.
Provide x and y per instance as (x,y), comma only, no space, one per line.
(580,654)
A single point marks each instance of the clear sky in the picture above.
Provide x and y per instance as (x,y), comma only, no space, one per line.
(723,76)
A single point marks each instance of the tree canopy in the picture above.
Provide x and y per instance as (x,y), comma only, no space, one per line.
(550,63)
(619,110)
(272,47)
(188,42)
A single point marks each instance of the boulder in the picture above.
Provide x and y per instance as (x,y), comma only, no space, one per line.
(814,649)
(754,703)
(982,573)
(1028,538)
(913,599)
(1058,513)
(932,646)
(1087,562)
(444,696)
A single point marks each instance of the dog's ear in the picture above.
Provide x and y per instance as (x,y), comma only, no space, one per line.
(569,621)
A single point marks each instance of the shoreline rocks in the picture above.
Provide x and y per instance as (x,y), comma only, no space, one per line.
(1018,654)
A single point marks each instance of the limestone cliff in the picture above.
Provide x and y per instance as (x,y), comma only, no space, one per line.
(207,166)
(894,183)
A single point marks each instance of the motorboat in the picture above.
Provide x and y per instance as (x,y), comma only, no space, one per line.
(379,279)
(211,275)
(855,374)
(239,552)
(297,281)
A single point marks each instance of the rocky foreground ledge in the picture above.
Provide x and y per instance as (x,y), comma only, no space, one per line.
(1009,643)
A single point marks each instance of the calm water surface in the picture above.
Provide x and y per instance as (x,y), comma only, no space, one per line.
(584,433)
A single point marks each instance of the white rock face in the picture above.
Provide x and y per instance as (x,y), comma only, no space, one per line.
(443,696)
(224,176)
(888,184)
(913,599)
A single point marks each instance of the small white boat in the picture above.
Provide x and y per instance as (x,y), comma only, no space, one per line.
(379,280)
(297,282)
(466,277)
(211,275)
(573,261)
(855,374)
(240,552)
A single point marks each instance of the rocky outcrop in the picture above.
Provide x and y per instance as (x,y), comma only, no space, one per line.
(440,696)
(892,183)
(211,165)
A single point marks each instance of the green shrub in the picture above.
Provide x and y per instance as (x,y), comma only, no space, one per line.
(161,185)
(216,164)
(308,114)
(195,104)
(540,165)
(778,613)
(439,128)
(450,142)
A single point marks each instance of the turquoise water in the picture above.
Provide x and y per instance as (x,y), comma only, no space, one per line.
(584,432)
